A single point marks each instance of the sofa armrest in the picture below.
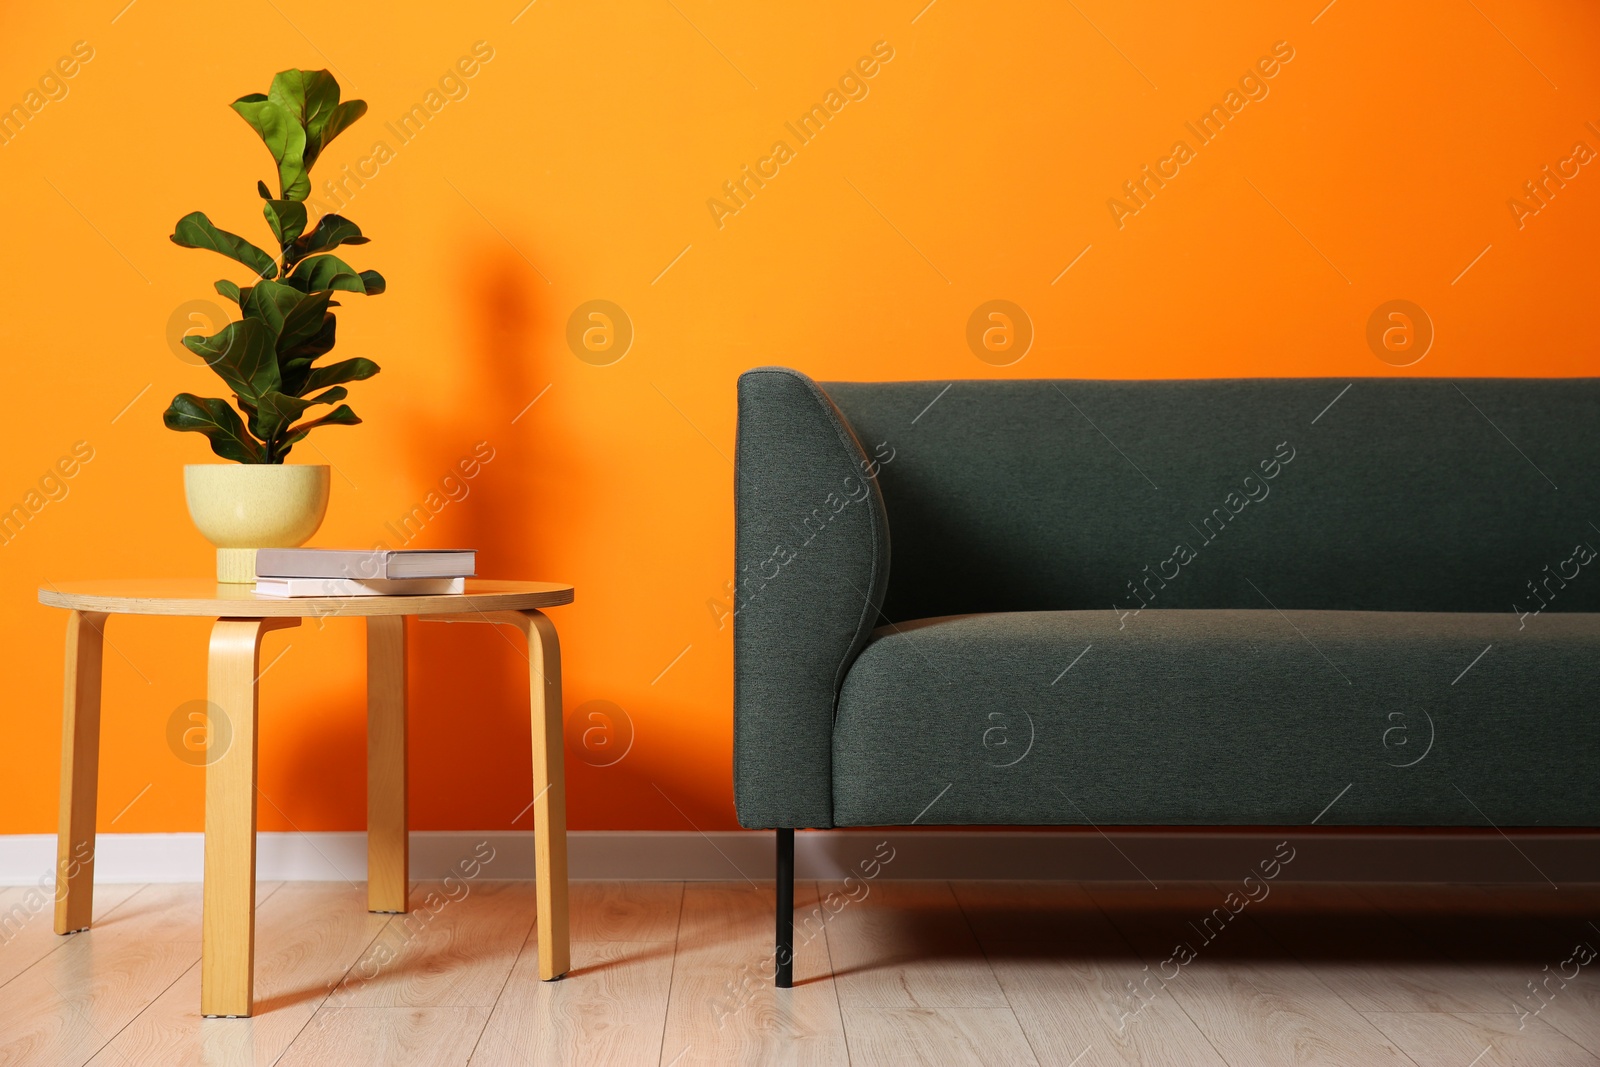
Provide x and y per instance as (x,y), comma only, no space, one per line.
(812,562)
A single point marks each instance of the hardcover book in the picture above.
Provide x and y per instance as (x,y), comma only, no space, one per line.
(311,587)
(361,566)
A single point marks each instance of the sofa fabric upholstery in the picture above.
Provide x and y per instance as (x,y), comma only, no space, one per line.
(1223,717)
(1181,521)
(1405,495)
(811,554)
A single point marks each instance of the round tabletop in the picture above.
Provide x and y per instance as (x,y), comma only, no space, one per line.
(201,597)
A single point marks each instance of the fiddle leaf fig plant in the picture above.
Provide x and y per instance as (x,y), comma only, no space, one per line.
(268,358)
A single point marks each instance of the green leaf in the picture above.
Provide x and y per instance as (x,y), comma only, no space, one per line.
(320,273)
(273,413)
(309,97)
(293,317)
(287,219)
(330,396)
(317,345)
(276,411)
(284,138)
(339,416)
(218,421)
(342,116)
(331,231)
(230,290)
(261,187)
(373,281)
(304,322)
(194,230)
(271,302)
(295,363)
(346,370)
(242,354)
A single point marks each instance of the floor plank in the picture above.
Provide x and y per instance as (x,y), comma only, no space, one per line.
(1480,1039)
(724,1009)
(69,1004)
(1371,960)
(625,911)
(1514,938)
(908,973)
(610,1009)
(907,945)
(1534,942)
(1575,1009)
(447,951)
(1252,1001)
(957,1037)
(308,935)
(27,923)
(1065,971)
(385,1037)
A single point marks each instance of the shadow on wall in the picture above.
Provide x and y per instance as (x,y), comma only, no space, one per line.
(480,481)
(496,480)
(518,494)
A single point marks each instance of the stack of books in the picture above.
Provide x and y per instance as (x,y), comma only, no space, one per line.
(352,572)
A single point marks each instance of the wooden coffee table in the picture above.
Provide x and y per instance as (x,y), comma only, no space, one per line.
(227,954)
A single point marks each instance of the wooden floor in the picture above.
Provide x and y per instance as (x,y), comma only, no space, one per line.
(911,972)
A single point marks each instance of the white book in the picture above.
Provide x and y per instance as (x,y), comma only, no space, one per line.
(308,587)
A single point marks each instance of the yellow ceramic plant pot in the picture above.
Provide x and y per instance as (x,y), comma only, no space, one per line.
(241,507)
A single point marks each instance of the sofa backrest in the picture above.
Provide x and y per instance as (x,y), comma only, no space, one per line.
(1365,494)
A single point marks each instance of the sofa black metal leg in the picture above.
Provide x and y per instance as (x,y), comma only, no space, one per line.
(784,976)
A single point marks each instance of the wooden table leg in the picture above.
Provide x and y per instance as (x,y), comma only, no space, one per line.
(549,780)
(80,768)
(388,849)
(228,919)
(549,794)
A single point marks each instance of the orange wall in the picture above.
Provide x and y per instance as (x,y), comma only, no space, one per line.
(578,165)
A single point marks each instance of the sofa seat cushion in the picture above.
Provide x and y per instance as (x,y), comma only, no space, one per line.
(1223,718)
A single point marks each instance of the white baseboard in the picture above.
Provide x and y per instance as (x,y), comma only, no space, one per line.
(1164,855)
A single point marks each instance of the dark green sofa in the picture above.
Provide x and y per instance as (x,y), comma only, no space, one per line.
(1165,603)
